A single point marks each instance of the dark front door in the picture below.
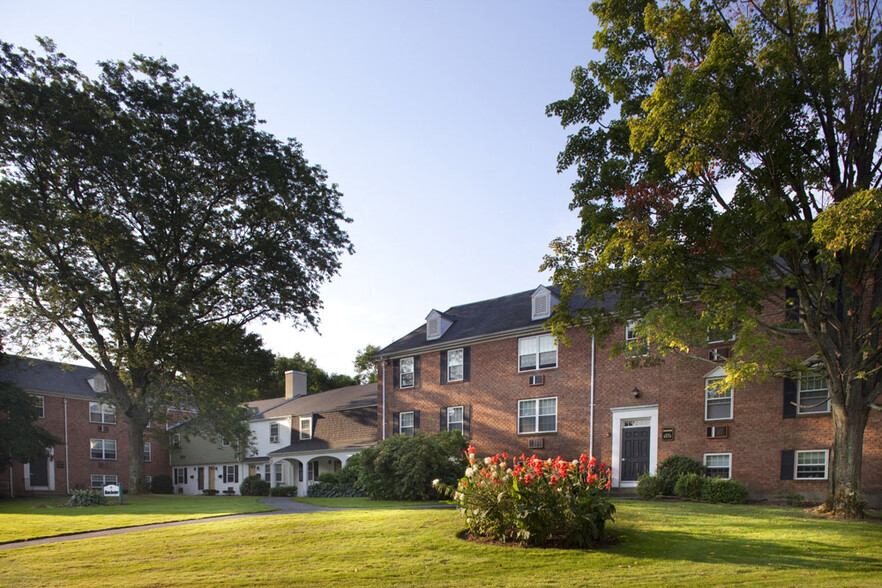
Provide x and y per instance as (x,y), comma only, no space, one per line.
(40,474)
(635,452)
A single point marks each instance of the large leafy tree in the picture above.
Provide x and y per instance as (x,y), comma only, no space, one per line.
(365,365)
(141,215)
(728,158)
(317,379)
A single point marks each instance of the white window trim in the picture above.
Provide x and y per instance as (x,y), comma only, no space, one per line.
(148,451)
(799,402)
(105,480)
(537,354)
(309,433)
(461,421)
(274,438)
(41,406)
(230,474)
(728,455)
(796,454)
(718,341)
(402,373)
(731,399)
(176,440)
(631,340)
(401,426)
(104,443)
(105,411)
(537,415)
(183,474)
(461,365)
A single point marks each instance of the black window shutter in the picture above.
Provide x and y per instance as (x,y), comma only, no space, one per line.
(395,421)
(443,367)
(467,420)
(396,373)
(442,419)
(791,306)
(466,363)
(416,371)
(787,459)
(789,398)
(416,421)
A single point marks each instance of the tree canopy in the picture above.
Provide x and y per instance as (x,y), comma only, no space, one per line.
(728,159)
(142,214)
(365,365)
(317,379)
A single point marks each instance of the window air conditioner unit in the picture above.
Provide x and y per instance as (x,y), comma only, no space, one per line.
(274,439)
(537,443)
(103,428)
(719,354)
(717,432)
(537,380)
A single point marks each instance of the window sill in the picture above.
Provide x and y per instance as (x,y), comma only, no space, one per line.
(538,433)
(533,371)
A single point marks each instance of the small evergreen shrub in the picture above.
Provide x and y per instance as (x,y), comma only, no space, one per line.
(283,491)
(720,490)
(674,466)
(534,501)
(689,486)
(210,492)
(162,484)
(87,498)
(254,486)
(649,486)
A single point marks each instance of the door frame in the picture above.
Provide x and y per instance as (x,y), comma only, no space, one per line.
(621,416)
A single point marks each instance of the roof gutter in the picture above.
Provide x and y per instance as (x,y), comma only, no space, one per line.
(531,330)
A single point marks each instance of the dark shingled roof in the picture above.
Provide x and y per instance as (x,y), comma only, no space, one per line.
(478,319)
(51,377)
(332,400)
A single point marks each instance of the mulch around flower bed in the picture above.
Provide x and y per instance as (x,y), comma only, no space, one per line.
(553,542)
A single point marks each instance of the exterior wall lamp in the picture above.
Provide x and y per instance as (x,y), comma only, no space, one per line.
(636,392)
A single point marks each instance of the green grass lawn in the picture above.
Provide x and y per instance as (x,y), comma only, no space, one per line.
(659,544)
(362,502)
(42,517)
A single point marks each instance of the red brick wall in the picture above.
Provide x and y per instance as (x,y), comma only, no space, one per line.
(77,464)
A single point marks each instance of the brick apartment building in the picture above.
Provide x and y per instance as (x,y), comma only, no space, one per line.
(491,370)
(95,450)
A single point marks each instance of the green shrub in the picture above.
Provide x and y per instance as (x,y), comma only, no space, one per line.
(87,498)
(674,466)
(689,486)
(283,491)
(254,486)
(534,501)
(720,490)
(340,484)
(162,484)
(210,492)
(403,468)
(649,486)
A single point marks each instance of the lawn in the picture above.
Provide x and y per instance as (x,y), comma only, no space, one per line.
(362,502)
(659,544)
(41,517)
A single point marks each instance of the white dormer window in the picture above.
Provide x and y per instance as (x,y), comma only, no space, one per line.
(305,428)
(543,301)
(436,325)
(98,383)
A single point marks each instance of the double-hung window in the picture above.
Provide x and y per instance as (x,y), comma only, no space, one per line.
(717,401)
(405,423)
(454,418)
(231,474)
(102,449)
(180,475)
(811,465)
(455,365)
(814,397)
(305,428)
(148,451)
(274,432)
(719,465)
(102,480)
(267,472)
(102,413)
(635,344)
(406,374)
(537,353)
(537,416)
(40,403)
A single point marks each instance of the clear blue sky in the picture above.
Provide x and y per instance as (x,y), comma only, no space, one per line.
(429,115)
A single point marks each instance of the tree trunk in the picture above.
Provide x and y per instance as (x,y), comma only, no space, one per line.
(137,481)
(844,499)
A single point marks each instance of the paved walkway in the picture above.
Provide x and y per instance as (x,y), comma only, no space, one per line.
(284,506)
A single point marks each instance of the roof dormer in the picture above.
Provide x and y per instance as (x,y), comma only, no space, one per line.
(98,383)
(436,325)
(543,303)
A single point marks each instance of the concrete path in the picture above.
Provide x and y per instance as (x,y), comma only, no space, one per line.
(284,506)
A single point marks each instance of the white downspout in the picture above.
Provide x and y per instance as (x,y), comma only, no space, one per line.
(591,430)
(383,363)
(66,445)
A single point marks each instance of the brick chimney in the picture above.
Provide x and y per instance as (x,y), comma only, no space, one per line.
(295,384)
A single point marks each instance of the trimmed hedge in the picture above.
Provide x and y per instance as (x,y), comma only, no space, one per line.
(283,491)
(674,466)
(254,486)
(650,486)
(162,484)
(689,486)
(720,490)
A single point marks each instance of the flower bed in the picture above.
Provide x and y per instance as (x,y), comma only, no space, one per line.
(534,501)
